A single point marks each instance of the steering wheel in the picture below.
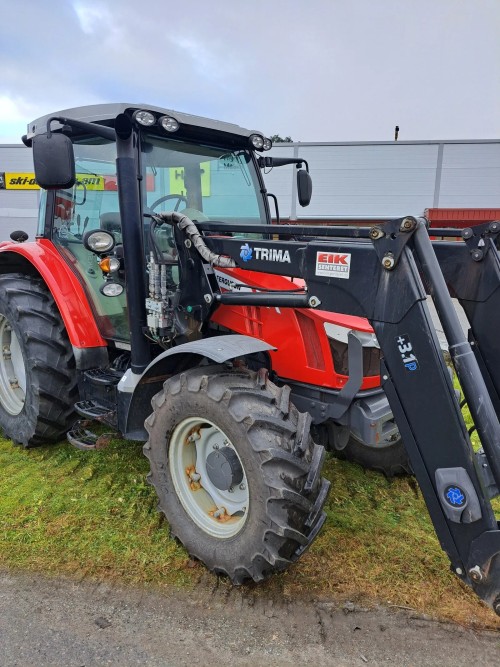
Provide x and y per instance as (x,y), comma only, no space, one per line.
(180,199)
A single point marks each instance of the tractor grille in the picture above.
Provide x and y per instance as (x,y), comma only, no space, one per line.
(371,359)
(314,353)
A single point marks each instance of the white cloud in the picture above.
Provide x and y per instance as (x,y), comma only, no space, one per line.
(321,71)
(15,114)
(94,17)
(89,17)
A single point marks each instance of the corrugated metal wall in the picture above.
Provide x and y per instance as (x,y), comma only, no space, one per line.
(350,180)
(470,176)
(18,208)
(377,180)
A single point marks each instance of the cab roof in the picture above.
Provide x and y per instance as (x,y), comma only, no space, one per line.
(106,113)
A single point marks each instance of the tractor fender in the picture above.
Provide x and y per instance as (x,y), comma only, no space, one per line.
(41,259)
(137,391)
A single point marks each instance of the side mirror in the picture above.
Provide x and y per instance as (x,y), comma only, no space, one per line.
(304,187)
(54,161)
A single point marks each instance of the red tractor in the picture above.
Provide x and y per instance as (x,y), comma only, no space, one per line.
(102,309)
(330,362)
(178,328)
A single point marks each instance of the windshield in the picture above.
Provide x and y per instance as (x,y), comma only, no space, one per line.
(204,182)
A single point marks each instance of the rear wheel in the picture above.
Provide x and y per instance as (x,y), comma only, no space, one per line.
(37,366)
(391,459)
(236,472)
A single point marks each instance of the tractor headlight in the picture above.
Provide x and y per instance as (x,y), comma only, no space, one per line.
(268,144)
(99,241)
(111,289)
(257,141)
(169,124)
(145,118)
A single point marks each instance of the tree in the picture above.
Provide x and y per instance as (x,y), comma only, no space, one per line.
(276,139)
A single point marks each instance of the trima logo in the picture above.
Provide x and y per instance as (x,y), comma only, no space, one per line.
(246,252)
(264,254)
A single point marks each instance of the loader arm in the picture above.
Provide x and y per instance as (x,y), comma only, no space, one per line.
(471,269)
(377,276)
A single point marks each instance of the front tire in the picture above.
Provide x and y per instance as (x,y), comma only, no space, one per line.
(236,472)
(37,367)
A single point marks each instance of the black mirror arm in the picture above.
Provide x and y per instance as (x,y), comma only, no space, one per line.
(281,161)
(91,128)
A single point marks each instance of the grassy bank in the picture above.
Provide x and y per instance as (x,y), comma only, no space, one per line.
(66,511)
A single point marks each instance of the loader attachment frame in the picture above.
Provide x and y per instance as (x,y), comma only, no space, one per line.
(471,269)
(377,274)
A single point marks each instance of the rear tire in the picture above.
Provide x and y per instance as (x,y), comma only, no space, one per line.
(37,367)
(274,510)
(391,460)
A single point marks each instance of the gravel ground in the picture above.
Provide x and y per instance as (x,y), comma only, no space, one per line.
(65,623)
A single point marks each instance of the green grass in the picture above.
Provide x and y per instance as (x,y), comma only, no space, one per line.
(63,510)
(92,514)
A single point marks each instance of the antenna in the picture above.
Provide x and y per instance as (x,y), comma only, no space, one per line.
(396,132)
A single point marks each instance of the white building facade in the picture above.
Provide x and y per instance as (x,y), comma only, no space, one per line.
(351,181)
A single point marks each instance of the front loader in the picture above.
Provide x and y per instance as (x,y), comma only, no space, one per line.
(111,312)
(383,282)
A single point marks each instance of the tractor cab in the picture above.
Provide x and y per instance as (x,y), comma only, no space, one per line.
(205,169)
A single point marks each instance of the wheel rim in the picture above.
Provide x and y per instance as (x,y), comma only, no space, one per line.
(218,512)
(12,370)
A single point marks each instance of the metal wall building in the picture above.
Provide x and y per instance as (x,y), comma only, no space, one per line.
(351,181)
(19,205)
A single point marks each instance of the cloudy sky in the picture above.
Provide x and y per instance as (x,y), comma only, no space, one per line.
(323,70)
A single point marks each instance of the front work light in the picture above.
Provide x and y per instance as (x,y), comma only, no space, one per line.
(145,118)
(111,289)
(169,124)
(268,144)
(99,241)
(257,141)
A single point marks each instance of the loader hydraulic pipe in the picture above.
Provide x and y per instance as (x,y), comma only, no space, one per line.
(264,299)
(464,360)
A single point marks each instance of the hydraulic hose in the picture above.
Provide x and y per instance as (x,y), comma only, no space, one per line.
(189,228)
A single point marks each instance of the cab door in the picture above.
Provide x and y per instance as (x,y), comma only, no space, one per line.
(92,204)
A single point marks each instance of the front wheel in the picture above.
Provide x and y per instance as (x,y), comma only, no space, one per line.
(236,472)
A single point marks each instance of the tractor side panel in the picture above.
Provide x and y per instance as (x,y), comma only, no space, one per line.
(303,349)
(66,289)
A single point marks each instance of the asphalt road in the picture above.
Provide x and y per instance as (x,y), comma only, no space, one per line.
(64,623)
